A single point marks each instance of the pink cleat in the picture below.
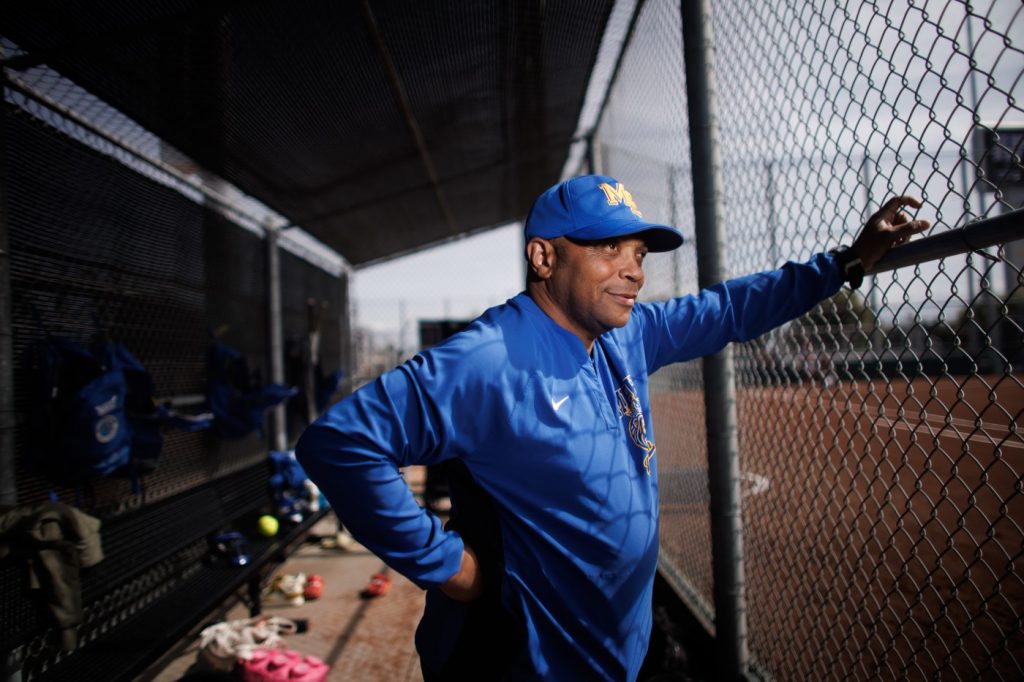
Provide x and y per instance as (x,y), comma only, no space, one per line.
(309,669)
(282,666)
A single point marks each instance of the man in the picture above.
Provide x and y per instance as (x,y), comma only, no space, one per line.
(547,572)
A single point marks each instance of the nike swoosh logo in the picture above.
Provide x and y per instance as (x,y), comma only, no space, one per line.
(557,404)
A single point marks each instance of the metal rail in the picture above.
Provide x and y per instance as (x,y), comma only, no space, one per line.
(973,237)
(175,179)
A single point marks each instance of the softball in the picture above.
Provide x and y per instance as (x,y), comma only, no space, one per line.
(268,525)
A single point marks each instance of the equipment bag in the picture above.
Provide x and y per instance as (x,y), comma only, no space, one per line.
(235,395)
(92,412)
(78,426)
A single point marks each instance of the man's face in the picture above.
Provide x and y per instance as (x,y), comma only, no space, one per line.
(595,283)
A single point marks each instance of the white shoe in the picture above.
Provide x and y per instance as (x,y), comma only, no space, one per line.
(292,587)
(344,540)
(222,644)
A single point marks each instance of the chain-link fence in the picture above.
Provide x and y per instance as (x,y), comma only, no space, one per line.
(104,236)
(880,454)
(111,230)
(111,233)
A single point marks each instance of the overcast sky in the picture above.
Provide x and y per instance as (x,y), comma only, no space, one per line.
(455,281)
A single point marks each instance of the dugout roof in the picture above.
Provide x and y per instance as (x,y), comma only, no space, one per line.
(378,126)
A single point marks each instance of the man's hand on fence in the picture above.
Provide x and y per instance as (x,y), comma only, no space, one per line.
(887,228)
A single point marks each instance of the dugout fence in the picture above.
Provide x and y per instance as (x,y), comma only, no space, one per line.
(106,229)
(870,525)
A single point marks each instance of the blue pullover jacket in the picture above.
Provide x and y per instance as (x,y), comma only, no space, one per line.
(561,440)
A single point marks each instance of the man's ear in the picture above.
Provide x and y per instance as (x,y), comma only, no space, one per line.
(541,256)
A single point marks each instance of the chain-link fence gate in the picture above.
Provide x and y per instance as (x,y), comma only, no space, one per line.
(880,459)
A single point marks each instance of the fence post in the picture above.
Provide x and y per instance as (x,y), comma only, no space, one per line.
(591,167)
(673,219)
(275,334)
(348,351)
(9,486)
(719,372)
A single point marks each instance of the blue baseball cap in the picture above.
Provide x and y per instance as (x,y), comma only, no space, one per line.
(592,207)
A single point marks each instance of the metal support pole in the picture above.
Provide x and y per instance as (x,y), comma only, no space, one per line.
(773,220)
(969,143)
(315,313)
(591,170)
(275,335)
(673,217)
(719,372)
(8,482)
(348,359)
(874,296)
(969,216)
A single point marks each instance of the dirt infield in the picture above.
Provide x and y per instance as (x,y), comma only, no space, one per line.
(882,521)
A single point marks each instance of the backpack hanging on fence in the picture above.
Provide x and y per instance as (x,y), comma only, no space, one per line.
(92,413)
(235,395)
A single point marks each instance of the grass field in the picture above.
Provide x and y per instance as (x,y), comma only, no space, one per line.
(882,524)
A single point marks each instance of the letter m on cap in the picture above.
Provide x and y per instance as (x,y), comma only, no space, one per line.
(620,195)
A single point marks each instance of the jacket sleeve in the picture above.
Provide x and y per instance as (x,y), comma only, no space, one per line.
(353,453)
(736,310)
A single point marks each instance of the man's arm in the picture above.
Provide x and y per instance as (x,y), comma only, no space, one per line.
(746,307)
(353,454)
(739,309)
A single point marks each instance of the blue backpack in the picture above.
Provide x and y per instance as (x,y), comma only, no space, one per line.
(235,395)
(92,413)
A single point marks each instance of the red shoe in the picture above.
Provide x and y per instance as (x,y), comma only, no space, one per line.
(378,587)
(314,587)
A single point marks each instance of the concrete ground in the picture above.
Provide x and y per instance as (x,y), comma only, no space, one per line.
(362,639)
(371,640)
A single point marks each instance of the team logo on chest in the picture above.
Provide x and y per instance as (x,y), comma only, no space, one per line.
(629,408)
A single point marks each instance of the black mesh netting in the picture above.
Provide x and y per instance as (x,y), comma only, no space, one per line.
(315,107)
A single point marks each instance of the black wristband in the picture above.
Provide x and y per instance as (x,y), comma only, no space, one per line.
(849,265)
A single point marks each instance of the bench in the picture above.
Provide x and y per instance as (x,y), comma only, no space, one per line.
(158,580)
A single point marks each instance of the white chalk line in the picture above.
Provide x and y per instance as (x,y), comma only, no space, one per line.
(954,434)
(996,433)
